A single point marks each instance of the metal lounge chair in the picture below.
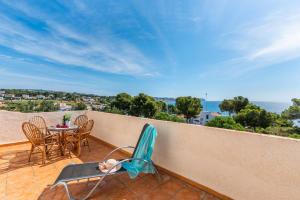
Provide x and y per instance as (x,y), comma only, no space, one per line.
(76,172)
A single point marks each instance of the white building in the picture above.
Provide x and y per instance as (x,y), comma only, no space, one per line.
(51,96)
(204,117)
(88,99)
(40,97)
(64,107)
(2,93)
(97,106)
(25,96)
(9,96)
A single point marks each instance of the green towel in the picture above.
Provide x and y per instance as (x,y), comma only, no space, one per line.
(144,151)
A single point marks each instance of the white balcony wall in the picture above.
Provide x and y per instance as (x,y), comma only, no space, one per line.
(237,164)
(11,123)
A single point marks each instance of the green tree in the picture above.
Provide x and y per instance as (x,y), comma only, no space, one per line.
(113,110)
(188,106)
(80,106)
(234,105)
(240,103)
(70,97)
(150,109)
(283,122)
(144,106)
(162,106)
(167,117)
(10,106)
(296,102)
(227,105)
(266,118)
(47,106)
(293,112)
(225,122)
(253,116)
(122,102)
(172,109)
(27,106)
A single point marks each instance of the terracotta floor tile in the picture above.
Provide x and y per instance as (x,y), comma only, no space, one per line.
(49,194)
(156,195)
(210,197)
(2,186)
(202,193)
(21,180)
(60,196)
(165,191)
(188,194)
(171,187)
(124,178)
(112,189)
(144,185)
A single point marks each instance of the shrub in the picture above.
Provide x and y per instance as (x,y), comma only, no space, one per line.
(225,122)
(80,106)
(143,106)
(167,117)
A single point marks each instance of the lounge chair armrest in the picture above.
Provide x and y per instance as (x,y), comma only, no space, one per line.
(110,153)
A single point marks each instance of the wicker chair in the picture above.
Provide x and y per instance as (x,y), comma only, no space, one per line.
(81,120)
(40,123)
(79,138)
(37,140)
(85,133)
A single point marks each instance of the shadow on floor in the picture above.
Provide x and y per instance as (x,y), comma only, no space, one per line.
(114,187)
(16,159)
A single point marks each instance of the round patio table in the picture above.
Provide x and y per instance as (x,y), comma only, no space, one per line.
(61,132)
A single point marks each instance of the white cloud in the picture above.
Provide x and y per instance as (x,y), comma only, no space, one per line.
(67,45)
(272,40)
(276,36)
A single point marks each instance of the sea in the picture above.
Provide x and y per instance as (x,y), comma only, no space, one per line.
(213,106)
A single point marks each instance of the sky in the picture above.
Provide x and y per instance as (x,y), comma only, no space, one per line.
(162,48)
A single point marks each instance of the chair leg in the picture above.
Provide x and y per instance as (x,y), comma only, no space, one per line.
(70,197)
(67,191)
(99,183)
(88,144)
(159,177)
(78,148)
(70,155)
(69,147)
(31,150)
(44,155)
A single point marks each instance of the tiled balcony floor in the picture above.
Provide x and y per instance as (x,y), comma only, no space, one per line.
(20,180)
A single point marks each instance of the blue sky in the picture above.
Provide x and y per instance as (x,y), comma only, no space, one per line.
(163,48)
